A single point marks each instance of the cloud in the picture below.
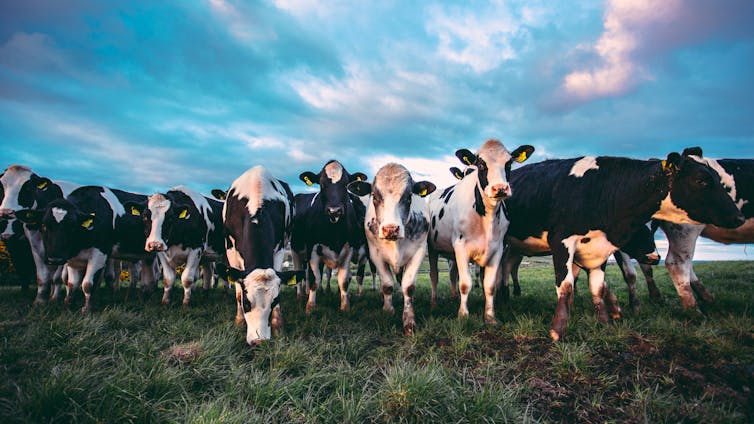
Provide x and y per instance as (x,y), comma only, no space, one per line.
(434,170)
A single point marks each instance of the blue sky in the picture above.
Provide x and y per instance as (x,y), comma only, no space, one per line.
(145,95)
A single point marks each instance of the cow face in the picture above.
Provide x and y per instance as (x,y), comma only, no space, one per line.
(333,180)
(493,165)
(162,218)
(260,294)
(18,189)
(696,195)
(62,226)
(642,247)
(392,194)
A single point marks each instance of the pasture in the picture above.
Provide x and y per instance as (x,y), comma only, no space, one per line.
(131,361)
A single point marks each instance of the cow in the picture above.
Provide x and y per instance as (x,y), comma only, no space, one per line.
(737,177)
(183,228)
(582,210)
(396,226)
(329,228)
(21,188)
(257,220)
(86,228)
(19,252)
(469,221)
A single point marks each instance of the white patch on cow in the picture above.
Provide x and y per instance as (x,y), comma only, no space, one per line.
(583,165)
(532,246)
(726,179)
(200,202)
(255,186)
(12,180)
(672,213)
(59,214)
(158,206)
(262,287)
(334,171)
(235,260)
(593,249)
(741,203)
(115,205)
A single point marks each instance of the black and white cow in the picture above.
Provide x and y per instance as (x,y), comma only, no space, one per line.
(84,229)
(21,188)
(257,218)
(469,221)
(330,227)
(582,210)
(184,228)
(737,177)
(396,226)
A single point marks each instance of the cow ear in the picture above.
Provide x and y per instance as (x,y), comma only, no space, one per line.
(87,221)
(291,278)
(358,176)
(42,183)
(309,178)
(360,188)
(466,157)
(32,217)
(522,153)
(672,163)
(457,173)
(692,151)
(219,194)
(134,208)
(423,188)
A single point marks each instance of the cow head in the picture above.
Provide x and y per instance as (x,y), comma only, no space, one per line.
(642,247)
(260,294)
(493,166)
(696,194)
(62,225)
(392,194)
(333,181)
(18,189)
(162,218)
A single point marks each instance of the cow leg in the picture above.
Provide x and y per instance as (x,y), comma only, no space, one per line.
(597,288)
(432,276)
(314,262)
(464,275)
(408,286)
(699,288)
(491,276)
(344,277)
(506,268)
(298,265)
(208,278)
(239,308)
(168,278)
(629,276)
(94,266)
(188,277)
(681,246)
(453,278)
(326,276)
(73,283)
(514,274)
(562,260)
(373,271)
(276,321)
(654,292)
(149,275)
(131,279)
(386,279)
(59,278)
(360,272)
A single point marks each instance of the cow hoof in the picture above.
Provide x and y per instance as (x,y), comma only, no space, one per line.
(409,329)
(309,308)
(85,310)
(165,302)
(463,314)
(389,309)
(491,321)
(238,320)
(185,306)
(555,334)
(344,307)
(38,302)
(517,291)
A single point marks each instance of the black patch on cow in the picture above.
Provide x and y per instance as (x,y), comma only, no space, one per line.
(416,226)
(742,171)
(410,291)
(435,237)
(245,303)
(433,221)
(478,202)
(482,171)
(387,290)
(445,196)
(373,227)
(460,237)
(442,212)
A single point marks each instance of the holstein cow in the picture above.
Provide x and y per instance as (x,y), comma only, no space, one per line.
(396,226)
(737,177)
(582,210)
(84,229)
(184,228)
(469,221)
(330,227)
(21,188)
(257,219)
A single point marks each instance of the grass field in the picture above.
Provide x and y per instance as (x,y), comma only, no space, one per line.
(143,362)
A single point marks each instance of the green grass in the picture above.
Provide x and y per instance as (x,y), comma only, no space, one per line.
(119,363)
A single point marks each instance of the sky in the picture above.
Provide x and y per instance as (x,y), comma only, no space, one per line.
(144,95)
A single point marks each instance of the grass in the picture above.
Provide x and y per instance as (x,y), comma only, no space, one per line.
(139,361)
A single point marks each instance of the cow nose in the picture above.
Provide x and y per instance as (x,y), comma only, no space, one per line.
(335,213)
(501,190)
(256,342)
(390,231)
(155,246)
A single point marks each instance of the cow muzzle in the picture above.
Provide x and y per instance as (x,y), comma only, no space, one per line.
(390,232)
(500,191)
(155,246)
(334,214)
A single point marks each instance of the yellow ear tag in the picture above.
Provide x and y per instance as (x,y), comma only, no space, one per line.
(423,192)
(88,223)
(521,157)
(42,185)
(183,214)
(308,181)
(664,165)
(466,160)
(292,281)
(135,211)
(358,178)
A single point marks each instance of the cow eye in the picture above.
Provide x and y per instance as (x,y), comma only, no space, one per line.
(701,182)
(377,197)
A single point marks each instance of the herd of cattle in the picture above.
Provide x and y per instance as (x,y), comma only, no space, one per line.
(581,211)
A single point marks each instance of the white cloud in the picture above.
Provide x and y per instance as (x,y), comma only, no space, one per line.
(481,40)
(624,24)
(435,170)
